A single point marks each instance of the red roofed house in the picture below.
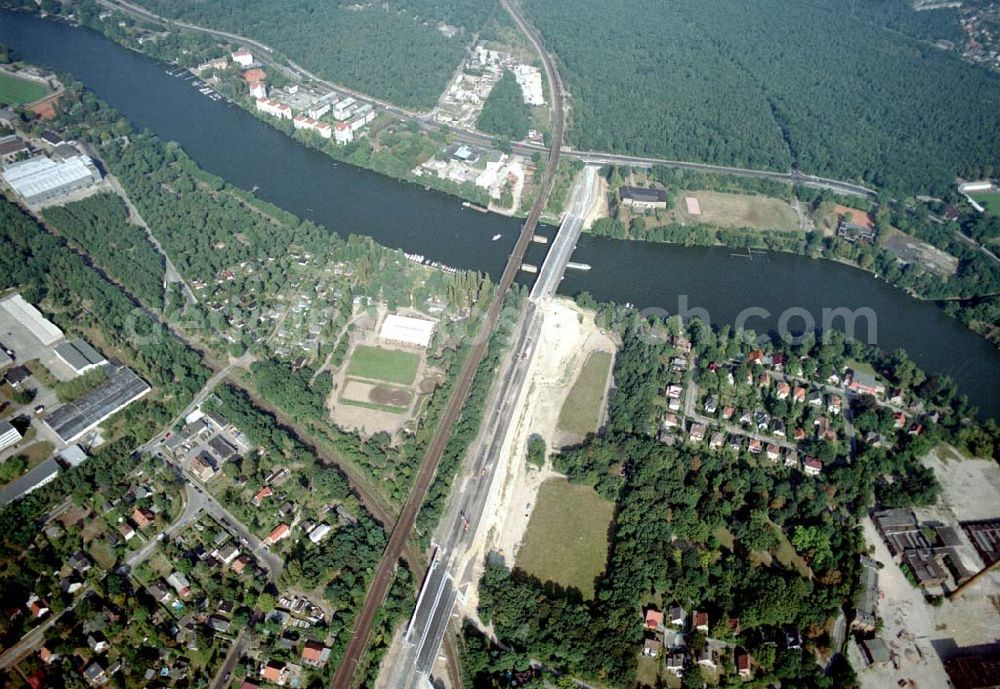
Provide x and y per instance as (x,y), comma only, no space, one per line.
(264,492)
(699,621)
(784,389)
(654,619)
(143,517)
(756,357)
(249,684)
(274,672)
(252,75)
(314,653)
(47,656)
(812,466)
(279,532)
(799,394)
(743,665)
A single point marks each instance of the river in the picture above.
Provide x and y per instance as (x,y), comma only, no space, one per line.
(229,142)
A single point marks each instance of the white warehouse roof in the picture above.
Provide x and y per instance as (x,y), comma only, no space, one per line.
(40,175)
(412,331)
(32,319)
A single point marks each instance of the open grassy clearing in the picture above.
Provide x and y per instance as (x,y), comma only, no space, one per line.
(581,411)
(787,555)
(567,537)
(738,210)
(390,365)
(14,91)
(990,200)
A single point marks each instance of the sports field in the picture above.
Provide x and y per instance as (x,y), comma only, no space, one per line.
(581,411)
(738,211)
(990,200)
(14,91)
(567,537)
(390,365)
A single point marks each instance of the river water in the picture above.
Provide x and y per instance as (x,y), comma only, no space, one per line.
(229,142)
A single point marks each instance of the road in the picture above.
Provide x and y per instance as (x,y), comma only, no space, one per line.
(194,503)
(236,651)
(428,467)
(299,73)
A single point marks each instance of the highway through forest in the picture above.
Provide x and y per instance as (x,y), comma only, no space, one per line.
(298,73)
(432,457)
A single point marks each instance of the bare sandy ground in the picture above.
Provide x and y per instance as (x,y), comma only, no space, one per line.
(569,335)
(600,208)
(919,634)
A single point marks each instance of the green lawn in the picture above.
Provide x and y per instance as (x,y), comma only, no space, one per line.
(990,200)
(14,91)
(567,537)
(384,364)
(582,409)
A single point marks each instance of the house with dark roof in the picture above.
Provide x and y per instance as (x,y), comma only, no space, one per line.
(638,197)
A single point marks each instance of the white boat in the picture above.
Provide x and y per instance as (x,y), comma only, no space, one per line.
(496,237)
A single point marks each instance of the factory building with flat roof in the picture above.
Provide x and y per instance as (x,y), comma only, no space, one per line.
(41,179)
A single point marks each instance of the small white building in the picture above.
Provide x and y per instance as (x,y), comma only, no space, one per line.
(243,57)
(258,89)
(8,435)
(405,330)
(319,532)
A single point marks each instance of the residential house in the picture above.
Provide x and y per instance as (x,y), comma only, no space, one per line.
(79,562)
(227,553)
(697,433)
(792,459)
(319,532)
(671,421)
(243,57)
(674,391)
(735,443)
(708,657)
(799,394)
(783,390)
(218,623)
(743,665)
(711,405)
(143,517)
(699,620)
(676,615)
(263,493)
(675,664)
(278,533)
(126,531)
(727,412)
(38,607)
(815,398)
(275,672)
(240,563)
(94,674)
(654,620)
(755,446)
(47,656)
(773,452)
(315,653)
(160,593)
(833,406)
(98,642)
(651,648)
(717,441)
(756,357)
(864,384)
(180,584)
(812,466)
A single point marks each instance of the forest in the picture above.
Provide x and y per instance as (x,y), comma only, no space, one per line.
(843,89)
(99,224)
(505,112)
(391,50)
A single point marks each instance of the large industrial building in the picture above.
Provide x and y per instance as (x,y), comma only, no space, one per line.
(44,330)
(8,435)
(80,356)
(406,330)
(42,179)
(73,419)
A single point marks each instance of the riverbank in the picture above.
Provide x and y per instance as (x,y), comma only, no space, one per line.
(225,141)
(962,283)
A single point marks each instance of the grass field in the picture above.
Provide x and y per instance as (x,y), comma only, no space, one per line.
(14,91)
(581,411)
(990,200)
(567,537)
(384,364)
(738,210)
